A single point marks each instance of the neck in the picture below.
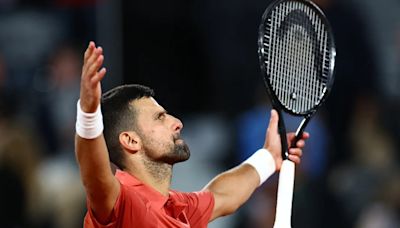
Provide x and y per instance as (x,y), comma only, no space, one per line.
(161,174)
(155,174)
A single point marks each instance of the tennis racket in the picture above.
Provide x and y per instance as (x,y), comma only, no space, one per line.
(297,57)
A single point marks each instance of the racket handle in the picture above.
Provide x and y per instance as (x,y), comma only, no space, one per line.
(283,214)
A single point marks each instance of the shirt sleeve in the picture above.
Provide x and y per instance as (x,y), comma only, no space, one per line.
(91,221)
(200,208)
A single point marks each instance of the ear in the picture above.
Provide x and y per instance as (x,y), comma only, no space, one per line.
(130,141)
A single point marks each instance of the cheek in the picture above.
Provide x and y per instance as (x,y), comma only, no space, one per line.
(161,135)
(158,139)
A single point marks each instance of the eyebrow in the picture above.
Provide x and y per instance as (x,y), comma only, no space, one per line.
(159,113)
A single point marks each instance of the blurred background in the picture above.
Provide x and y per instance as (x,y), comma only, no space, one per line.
(201,58)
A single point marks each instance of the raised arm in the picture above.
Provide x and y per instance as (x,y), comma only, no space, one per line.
(102,188)
(234,187)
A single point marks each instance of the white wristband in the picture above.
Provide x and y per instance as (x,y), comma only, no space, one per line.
(263,162)
(88,125)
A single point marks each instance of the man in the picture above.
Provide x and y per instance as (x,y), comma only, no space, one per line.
(144,141)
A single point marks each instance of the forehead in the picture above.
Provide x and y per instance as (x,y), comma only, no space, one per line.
(146,106)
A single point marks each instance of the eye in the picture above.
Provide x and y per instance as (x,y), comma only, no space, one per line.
(161,115)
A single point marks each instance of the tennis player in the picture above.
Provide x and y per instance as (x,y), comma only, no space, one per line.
(127,127)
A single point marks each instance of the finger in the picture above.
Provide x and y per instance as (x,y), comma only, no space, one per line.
(300,144)
(273,121)
(99,75)
(94,55)
(290,136)
(296,152)
(89,51)
(91,60)
(294,159)
(306,135)
(95,66)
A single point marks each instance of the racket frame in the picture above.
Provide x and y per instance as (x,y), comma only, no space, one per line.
(276,104)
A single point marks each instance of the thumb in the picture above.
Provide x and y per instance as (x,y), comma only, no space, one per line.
(273,121)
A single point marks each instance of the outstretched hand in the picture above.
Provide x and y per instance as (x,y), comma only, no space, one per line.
(91,76)
(273,142)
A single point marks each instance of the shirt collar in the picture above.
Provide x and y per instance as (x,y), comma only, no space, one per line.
(154,198)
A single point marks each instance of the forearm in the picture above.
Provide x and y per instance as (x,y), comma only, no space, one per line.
(93,162)
(91,150)
(232,188)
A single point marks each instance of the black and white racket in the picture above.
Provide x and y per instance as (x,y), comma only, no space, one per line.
(297,57)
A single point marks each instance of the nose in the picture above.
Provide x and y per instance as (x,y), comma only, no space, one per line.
(177,124)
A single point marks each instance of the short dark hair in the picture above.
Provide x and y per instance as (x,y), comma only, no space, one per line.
(119,116)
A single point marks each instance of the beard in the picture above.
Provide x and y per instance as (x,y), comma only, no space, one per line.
(171,154)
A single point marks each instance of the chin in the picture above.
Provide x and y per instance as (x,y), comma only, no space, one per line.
(180,153)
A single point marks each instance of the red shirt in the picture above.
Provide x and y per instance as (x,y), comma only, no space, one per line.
(139,205)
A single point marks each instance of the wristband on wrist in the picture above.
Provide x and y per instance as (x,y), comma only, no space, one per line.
(88,125)
(263,163)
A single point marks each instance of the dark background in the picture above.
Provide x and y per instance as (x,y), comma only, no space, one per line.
(201,59)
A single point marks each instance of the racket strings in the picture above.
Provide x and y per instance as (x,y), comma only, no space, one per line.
(297,55)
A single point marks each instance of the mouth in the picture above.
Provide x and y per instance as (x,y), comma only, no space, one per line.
(177,139)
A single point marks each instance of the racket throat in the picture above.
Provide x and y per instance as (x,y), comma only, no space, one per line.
(300,130)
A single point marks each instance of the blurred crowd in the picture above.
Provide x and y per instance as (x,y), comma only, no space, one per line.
(201,59)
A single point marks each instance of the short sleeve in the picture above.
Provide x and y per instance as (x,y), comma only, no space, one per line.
(200,208)
(91,221)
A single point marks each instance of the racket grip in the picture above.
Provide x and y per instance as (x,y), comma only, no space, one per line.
(283,214)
